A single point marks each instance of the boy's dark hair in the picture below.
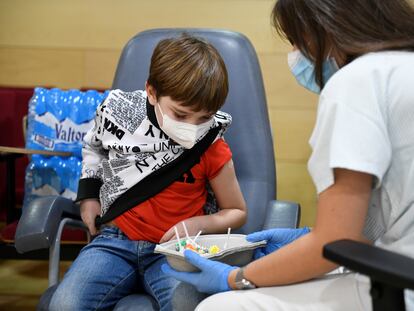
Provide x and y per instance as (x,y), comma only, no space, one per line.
(354,27)
(190,71)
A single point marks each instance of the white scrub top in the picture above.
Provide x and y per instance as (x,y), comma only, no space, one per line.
(365,122)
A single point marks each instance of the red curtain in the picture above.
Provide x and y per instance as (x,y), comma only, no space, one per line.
(13,106)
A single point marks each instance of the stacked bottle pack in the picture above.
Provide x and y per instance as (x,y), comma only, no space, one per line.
(57,121)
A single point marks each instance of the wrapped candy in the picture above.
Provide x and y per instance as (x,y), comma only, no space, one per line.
(191,245)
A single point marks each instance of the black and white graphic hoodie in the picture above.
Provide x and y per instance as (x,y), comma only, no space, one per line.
(125,145)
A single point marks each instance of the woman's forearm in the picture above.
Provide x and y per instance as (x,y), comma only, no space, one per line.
(341,214)
(299,261)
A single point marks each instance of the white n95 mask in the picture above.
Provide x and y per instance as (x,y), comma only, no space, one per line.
(304,70)
(185,134)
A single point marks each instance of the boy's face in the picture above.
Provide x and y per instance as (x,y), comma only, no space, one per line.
(175,110)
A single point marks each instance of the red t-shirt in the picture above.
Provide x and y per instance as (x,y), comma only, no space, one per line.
(181,200)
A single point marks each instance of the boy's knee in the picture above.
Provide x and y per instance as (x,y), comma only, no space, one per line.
(186,297)
(65,300)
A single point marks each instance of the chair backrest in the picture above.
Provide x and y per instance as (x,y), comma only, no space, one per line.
(57,121)
(249,135)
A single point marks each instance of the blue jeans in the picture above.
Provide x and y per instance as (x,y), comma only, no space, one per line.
(110,268)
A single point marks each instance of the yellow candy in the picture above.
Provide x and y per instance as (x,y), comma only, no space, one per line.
(213,249)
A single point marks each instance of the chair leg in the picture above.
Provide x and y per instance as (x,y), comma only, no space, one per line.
(54,250)
(386,297)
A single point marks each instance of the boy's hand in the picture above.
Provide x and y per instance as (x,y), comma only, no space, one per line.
(90,209)
(194,225)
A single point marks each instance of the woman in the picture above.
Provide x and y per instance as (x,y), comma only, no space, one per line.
(360,53)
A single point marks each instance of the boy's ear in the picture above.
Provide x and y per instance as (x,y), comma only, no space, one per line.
(151,93)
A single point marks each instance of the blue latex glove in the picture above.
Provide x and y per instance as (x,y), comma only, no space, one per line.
(211,279)
(276,238)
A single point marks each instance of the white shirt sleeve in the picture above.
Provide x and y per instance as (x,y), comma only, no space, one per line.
(351,128)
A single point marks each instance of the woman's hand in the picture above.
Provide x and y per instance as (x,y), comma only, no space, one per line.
(90,209)
(213,277)
(193,225)
(276,238)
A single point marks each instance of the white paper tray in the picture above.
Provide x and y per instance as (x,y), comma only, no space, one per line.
(239,252)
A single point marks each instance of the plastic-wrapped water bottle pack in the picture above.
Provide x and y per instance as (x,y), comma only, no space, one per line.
(57,121)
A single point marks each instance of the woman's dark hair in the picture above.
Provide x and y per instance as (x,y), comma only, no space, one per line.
(353,27)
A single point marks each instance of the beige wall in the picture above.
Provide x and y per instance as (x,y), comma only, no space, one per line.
(76,43)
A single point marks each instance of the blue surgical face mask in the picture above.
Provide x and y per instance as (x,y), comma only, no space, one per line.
(304,70)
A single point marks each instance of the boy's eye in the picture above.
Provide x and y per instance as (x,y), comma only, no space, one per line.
(180,116)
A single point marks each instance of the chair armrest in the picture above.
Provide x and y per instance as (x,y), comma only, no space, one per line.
(282,214)
(40,220)
(377,263)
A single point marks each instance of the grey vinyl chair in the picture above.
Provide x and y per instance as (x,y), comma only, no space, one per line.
(249,137)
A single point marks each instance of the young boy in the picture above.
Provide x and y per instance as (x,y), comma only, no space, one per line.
(134,177)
